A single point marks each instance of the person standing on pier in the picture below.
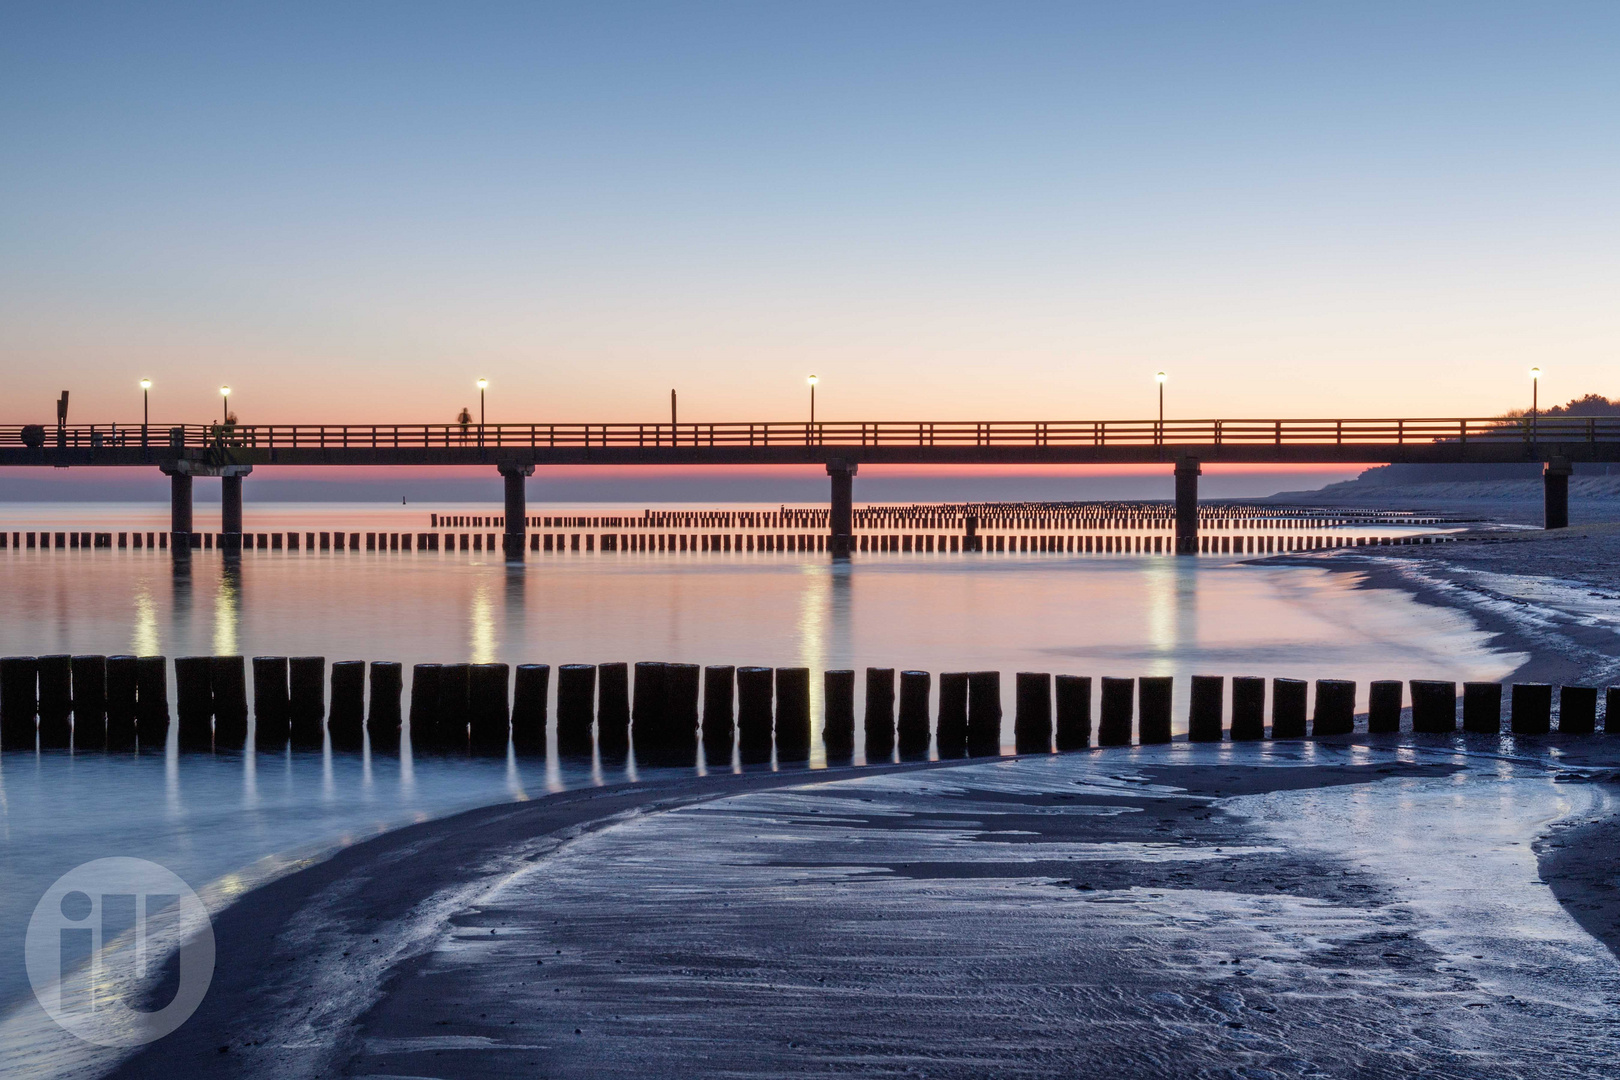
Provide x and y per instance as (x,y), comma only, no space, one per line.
(464,420)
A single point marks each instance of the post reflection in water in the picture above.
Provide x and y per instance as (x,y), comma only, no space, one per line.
(815,602)
(482,642)
(228,608)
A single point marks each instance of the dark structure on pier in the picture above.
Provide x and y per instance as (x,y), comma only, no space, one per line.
(1557,443)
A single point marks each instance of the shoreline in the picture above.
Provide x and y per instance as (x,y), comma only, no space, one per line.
(1550,596)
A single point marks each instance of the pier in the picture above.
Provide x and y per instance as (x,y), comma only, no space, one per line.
(230,453)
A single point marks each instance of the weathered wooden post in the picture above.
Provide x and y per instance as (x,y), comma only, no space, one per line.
(19,701)
(1204,712)
(1073,712)
(1117,712)
(576,708)
(424,706)
(194,701)
(489,707)
(1032,717)
(1384,706)
(1531,709)
(951,731)
(793,714)
(613,710)
(838,713)
(1482,707)
(879,720)
(89,700)
(1288,708)
(1434,706)
(306,700)
(384,717)
(228,684)
(271,703)
(1153,704)
(455,701)
(754,698)
(152,700)
(649,713)
(1555,487)
(984,714)
(529,687)
(122,707)
(913,727)
(1611,711)
(719,713)
(1577,710)
(55,700)
(681,711)
(346,716)
(1335,708)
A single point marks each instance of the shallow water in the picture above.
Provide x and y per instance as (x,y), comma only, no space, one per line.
(211,818)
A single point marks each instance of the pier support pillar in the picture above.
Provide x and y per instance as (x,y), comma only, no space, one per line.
(230,506)
(843,506)
(1187,472)
(1555,486)
(180,513)
(517,510)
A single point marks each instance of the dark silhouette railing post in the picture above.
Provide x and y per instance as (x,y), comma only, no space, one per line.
(842,518)
(1187,472)
(1555,489)
(517,510)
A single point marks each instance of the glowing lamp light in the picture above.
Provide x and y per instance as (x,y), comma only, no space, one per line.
(224,391)
(146,384)
(812,380)
(1161,377)
(483,384)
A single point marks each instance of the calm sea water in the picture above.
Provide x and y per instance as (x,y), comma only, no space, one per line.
(229,820)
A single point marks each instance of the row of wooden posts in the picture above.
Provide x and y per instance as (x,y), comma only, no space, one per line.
(117,701)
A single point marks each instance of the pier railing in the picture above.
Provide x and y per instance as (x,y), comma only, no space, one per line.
(1005,434)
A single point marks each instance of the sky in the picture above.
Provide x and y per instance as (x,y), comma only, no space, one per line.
(350,212)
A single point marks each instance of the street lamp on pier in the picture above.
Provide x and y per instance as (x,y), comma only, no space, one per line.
(812,380)
(483,384)
(224,402)
(146,407)
(1535,395)
(1160,379)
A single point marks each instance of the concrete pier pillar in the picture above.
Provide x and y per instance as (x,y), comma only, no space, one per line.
(1187,473)
(517,509)
(230,511)
(180,514)
(1555,488)
(842,540)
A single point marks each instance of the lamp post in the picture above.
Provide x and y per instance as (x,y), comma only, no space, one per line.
(146,408)
(224,402)
(812,380)
(1160,378)
(1535,395)
(483,384)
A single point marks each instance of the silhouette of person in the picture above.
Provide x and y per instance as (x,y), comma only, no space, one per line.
(464,419)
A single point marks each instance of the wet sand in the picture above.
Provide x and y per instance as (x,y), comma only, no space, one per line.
(1165,911)
(1552,596)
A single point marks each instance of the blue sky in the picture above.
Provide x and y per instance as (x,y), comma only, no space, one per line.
(944,210)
